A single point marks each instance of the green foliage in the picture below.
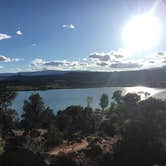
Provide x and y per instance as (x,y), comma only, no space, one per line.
(140,125)
(107,128)
(8,120)
(104,101)
(75,119)
(21,157)
(8,116)
(152,104)
(54,137)
(64,160)
(117,96)
(36,115)
(35,145)
(142,128)
(131,99)
(47,118)
(139,139)
(6,98)
(2,145)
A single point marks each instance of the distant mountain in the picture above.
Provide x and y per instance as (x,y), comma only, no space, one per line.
(83,79)
(41,73)
(35,73)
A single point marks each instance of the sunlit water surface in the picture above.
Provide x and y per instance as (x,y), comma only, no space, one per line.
(60,99)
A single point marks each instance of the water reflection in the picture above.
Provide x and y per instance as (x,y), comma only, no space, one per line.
(143,92)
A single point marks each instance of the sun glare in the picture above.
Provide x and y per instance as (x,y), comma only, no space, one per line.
(143,92)
(142,32)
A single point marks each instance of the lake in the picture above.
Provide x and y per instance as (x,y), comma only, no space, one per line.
(59,99)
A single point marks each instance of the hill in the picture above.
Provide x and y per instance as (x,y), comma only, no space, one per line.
(83,79)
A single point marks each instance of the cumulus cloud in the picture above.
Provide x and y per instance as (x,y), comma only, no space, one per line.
(68,26)
(64,63)
(7,59)
(100,56)
(4,36)
(55,63)
(159,54)
(38,61)
(58,65)
(102,64)
(157,59)
(104,61)
(19,32)
(98,61)
(107,56)
(4,59)
(125,65)
(151,61)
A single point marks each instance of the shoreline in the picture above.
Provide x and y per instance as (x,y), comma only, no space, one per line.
(17,89)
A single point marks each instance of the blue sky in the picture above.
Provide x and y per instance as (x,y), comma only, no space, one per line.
(71,35)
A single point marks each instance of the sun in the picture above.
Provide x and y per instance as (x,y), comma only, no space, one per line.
(142,32)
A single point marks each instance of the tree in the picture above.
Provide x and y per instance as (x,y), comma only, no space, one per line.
(140,144)
(54,137)
(36,115)
(47,117)
(141,125)
(8,116)
(64,160)
(131,99)
(8,120)
(104,101)
(6,98)
(2,145)
(75,119)
(117,95)
(20,156)
(89,101)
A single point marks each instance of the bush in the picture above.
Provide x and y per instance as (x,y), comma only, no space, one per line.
(21,157)
(64,160)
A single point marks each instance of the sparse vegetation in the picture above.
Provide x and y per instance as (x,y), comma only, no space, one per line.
(129,132)
(104,101)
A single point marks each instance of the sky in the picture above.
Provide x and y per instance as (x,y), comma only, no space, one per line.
(78,35)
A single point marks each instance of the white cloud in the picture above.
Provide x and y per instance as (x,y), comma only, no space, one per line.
(155,60)
(7,59)
(4,36)
(102,64)
(4,59)
(19,32)
(40,64)
(125,65)
(16,59)
(68,26)
(160,54)
(38,61)
(100,56)
(120,60)
(107,56)
(34,44)
(104,61)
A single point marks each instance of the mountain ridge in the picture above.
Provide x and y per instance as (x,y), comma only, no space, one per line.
(83,79)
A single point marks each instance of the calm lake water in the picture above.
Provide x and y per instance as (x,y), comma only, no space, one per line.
(60,99)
